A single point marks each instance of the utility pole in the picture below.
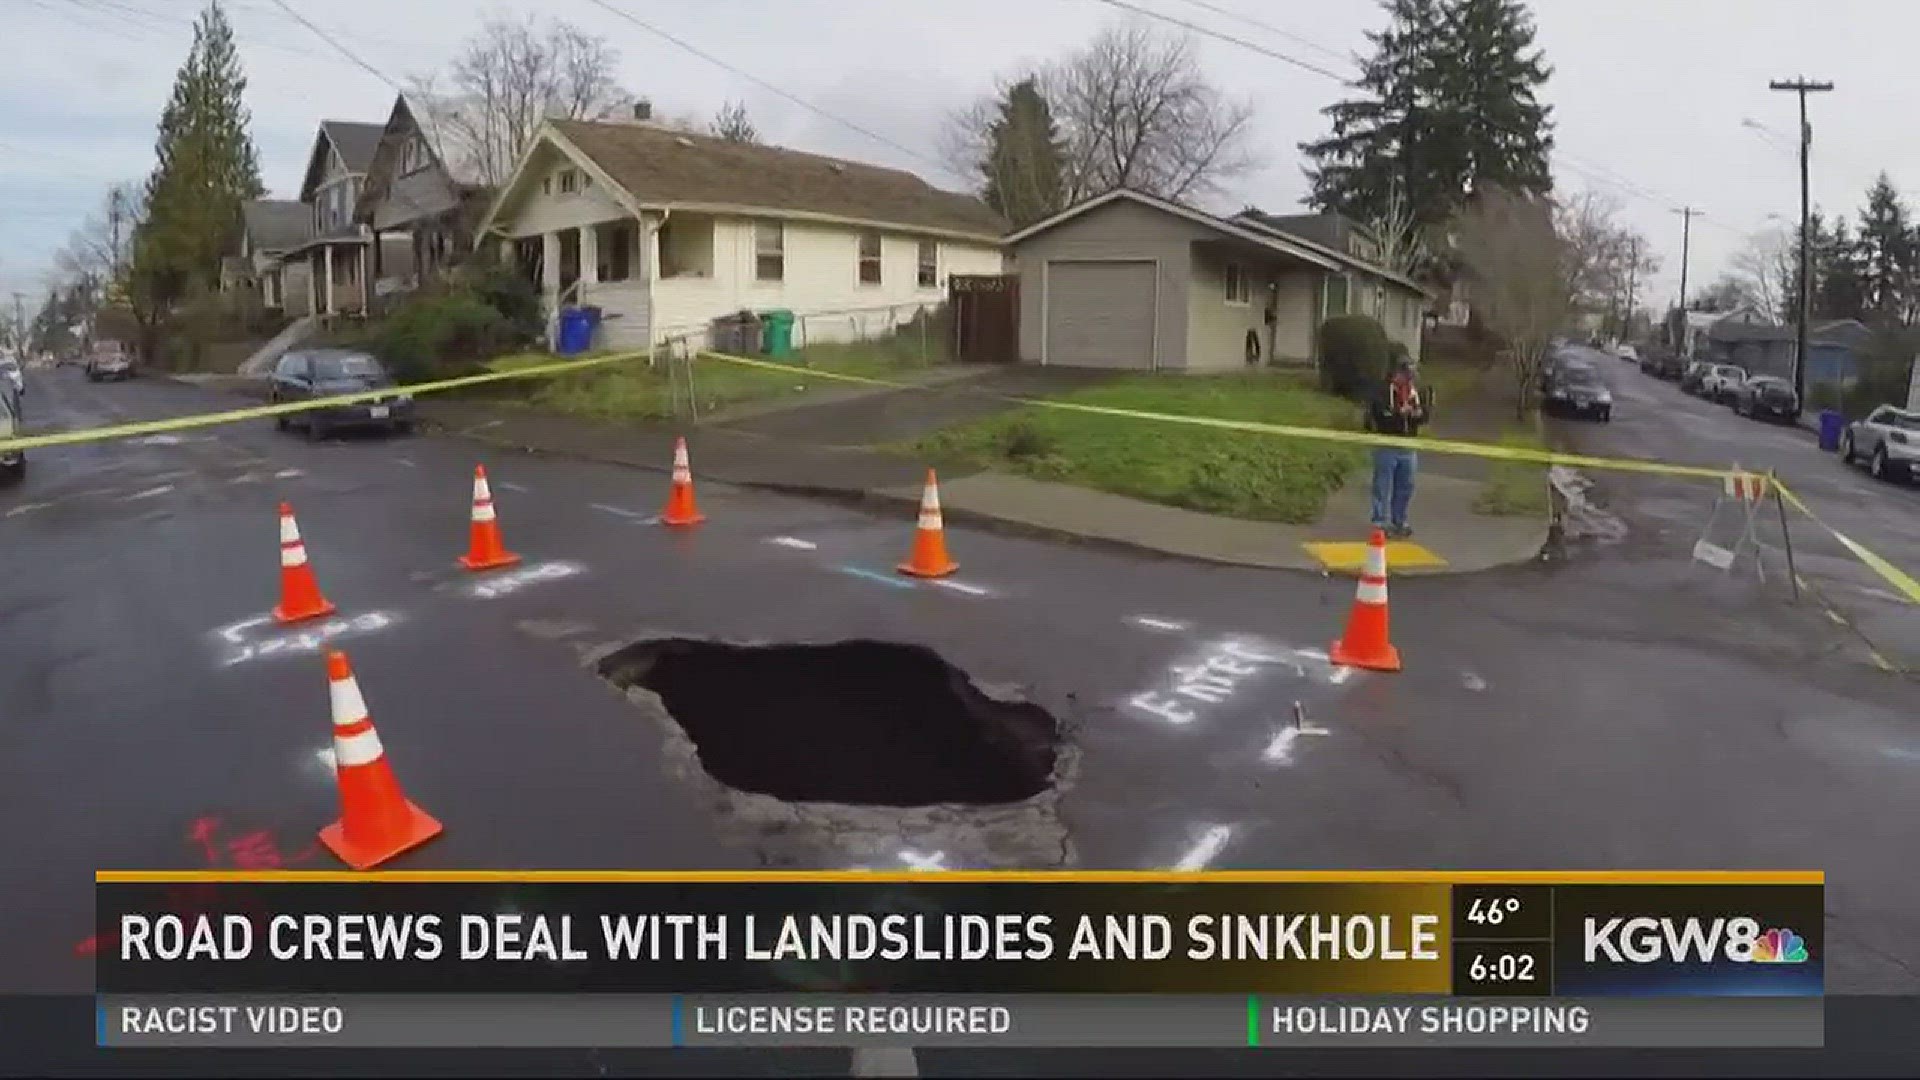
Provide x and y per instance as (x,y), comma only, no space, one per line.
(1803,87)
(1633,270)
(113,226)
(1687,214)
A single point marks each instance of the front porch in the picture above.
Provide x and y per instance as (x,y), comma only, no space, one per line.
(610,264)
(337,274)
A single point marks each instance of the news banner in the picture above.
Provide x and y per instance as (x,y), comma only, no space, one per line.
(960,959)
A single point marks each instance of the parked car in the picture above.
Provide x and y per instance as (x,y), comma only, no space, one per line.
(1579,391)
(13,463)
(1766,395)
(1888,438)
(1721,380)
(318,373)
(14,374)
(1694,374)
(1626,351)
(110,360)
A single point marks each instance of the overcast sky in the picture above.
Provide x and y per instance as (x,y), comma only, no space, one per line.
(1653,98)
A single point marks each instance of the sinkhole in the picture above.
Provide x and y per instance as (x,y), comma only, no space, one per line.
(862,722)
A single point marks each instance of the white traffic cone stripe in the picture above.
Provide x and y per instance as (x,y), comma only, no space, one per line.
(680,455)
(482,511)
(1376,560)
(1371,592)
(289,532)
(361,749)
(349,708)
(930,519)
(481,492)
(930,499)
(294,554)
(681,474)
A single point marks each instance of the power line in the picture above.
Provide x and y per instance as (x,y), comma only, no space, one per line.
(1242,42)
(762,83)
(1267,26)
(337,46)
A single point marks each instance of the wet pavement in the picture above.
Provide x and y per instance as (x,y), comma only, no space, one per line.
(1619,708)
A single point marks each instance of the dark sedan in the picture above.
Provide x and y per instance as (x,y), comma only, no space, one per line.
(1766,395)
(323,373)
(1580,391)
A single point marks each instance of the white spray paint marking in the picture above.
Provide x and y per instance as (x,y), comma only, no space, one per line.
(1152,623)
(1206,848)
(1901,754)
(959,587)
(511,486)
(793,542)
(233,633)
(407,461)
(483,427)
(1211,681)
(147,494)
(287,474)
(159,440)
(1280,750)
(923,860)
(25,508)
(1472,682)
(307,641)
(630,515)
(514,580)
(324,757)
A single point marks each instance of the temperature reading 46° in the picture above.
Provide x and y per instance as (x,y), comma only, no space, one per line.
(1492,910)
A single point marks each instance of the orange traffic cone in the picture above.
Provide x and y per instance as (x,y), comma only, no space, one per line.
(1365,644)
(376,820)
(300,597)
(680,508)
(930,539)
(484,549)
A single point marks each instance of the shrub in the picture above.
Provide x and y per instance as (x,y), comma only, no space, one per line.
(432,336)
(1023,441)
(504,289)
(1354,353)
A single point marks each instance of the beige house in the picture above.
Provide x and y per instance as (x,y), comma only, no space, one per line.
(666,231)
(336,250)
(1131,280)
(419,190)
(270,228)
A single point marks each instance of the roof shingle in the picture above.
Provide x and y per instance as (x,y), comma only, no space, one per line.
(277,224)
(354,141)
(661,166)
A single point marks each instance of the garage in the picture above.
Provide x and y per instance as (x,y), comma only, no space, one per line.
(1100,313)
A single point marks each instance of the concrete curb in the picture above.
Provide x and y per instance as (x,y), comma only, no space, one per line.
(866,498)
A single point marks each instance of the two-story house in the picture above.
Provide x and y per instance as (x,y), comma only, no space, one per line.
(421,189)
(337,250)
(270,229)
(666,230)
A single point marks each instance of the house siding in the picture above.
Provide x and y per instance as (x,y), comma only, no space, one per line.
(1297,315)
(1121,231)
(415,197)
(1216,329)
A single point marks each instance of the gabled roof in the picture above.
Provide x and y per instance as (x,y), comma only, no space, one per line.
(352,142)
(276,225)
(657,167)
(405,121)
(1848,332)
(1241,229)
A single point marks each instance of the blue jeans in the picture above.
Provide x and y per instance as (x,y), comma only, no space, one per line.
(1392,485)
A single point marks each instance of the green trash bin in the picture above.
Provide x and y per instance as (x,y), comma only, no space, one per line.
(776,332)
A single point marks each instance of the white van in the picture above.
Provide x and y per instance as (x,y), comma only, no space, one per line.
(13,463)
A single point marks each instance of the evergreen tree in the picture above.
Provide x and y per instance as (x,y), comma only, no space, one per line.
(1886,254)
(1839,277)
(206,166)
(1447,106)
(1023,164)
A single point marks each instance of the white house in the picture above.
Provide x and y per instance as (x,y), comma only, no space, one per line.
(665,231)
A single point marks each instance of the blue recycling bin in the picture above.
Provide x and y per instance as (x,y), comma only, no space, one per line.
(576,330)
(1831,425)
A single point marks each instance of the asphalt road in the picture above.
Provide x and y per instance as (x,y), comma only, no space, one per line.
(1620,708)
(1653,418)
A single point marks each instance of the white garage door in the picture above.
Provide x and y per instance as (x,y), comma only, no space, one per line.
(1100,314)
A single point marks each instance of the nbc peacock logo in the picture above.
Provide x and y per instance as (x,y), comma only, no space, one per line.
(1780,947)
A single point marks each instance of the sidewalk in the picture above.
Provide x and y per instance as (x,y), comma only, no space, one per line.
(810,449)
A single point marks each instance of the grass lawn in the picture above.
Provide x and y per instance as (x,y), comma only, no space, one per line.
(1240,474)
(632,390)
(1516,488)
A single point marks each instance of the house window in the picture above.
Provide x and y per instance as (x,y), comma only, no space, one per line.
(615,243)
(929,262)
(546,186)
(1336,295)
(569,181)
(1239,290)
(769,251)
(869,258)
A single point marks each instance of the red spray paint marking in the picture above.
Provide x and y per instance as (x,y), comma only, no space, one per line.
(256,850)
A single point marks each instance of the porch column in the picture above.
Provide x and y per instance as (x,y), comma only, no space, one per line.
(326,276)
(589,254)
(550,262)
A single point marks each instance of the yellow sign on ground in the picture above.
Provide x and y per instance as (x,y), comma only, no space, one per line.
(1351,555)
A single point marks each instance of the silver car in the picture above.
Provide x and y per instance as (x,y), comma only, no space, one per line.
(1888,438)
(1720,382)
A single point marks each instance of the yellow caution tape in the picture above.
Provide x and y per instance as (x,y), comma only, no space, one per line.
(177,423)
(1892,574)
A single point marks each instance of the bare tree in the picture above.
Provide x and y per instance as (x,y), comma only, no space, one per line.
(731,123)
(98,251)
(1763,266)
(509,78)
(1403,244)
(1598,249)
(1524,277)
(1134,109)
